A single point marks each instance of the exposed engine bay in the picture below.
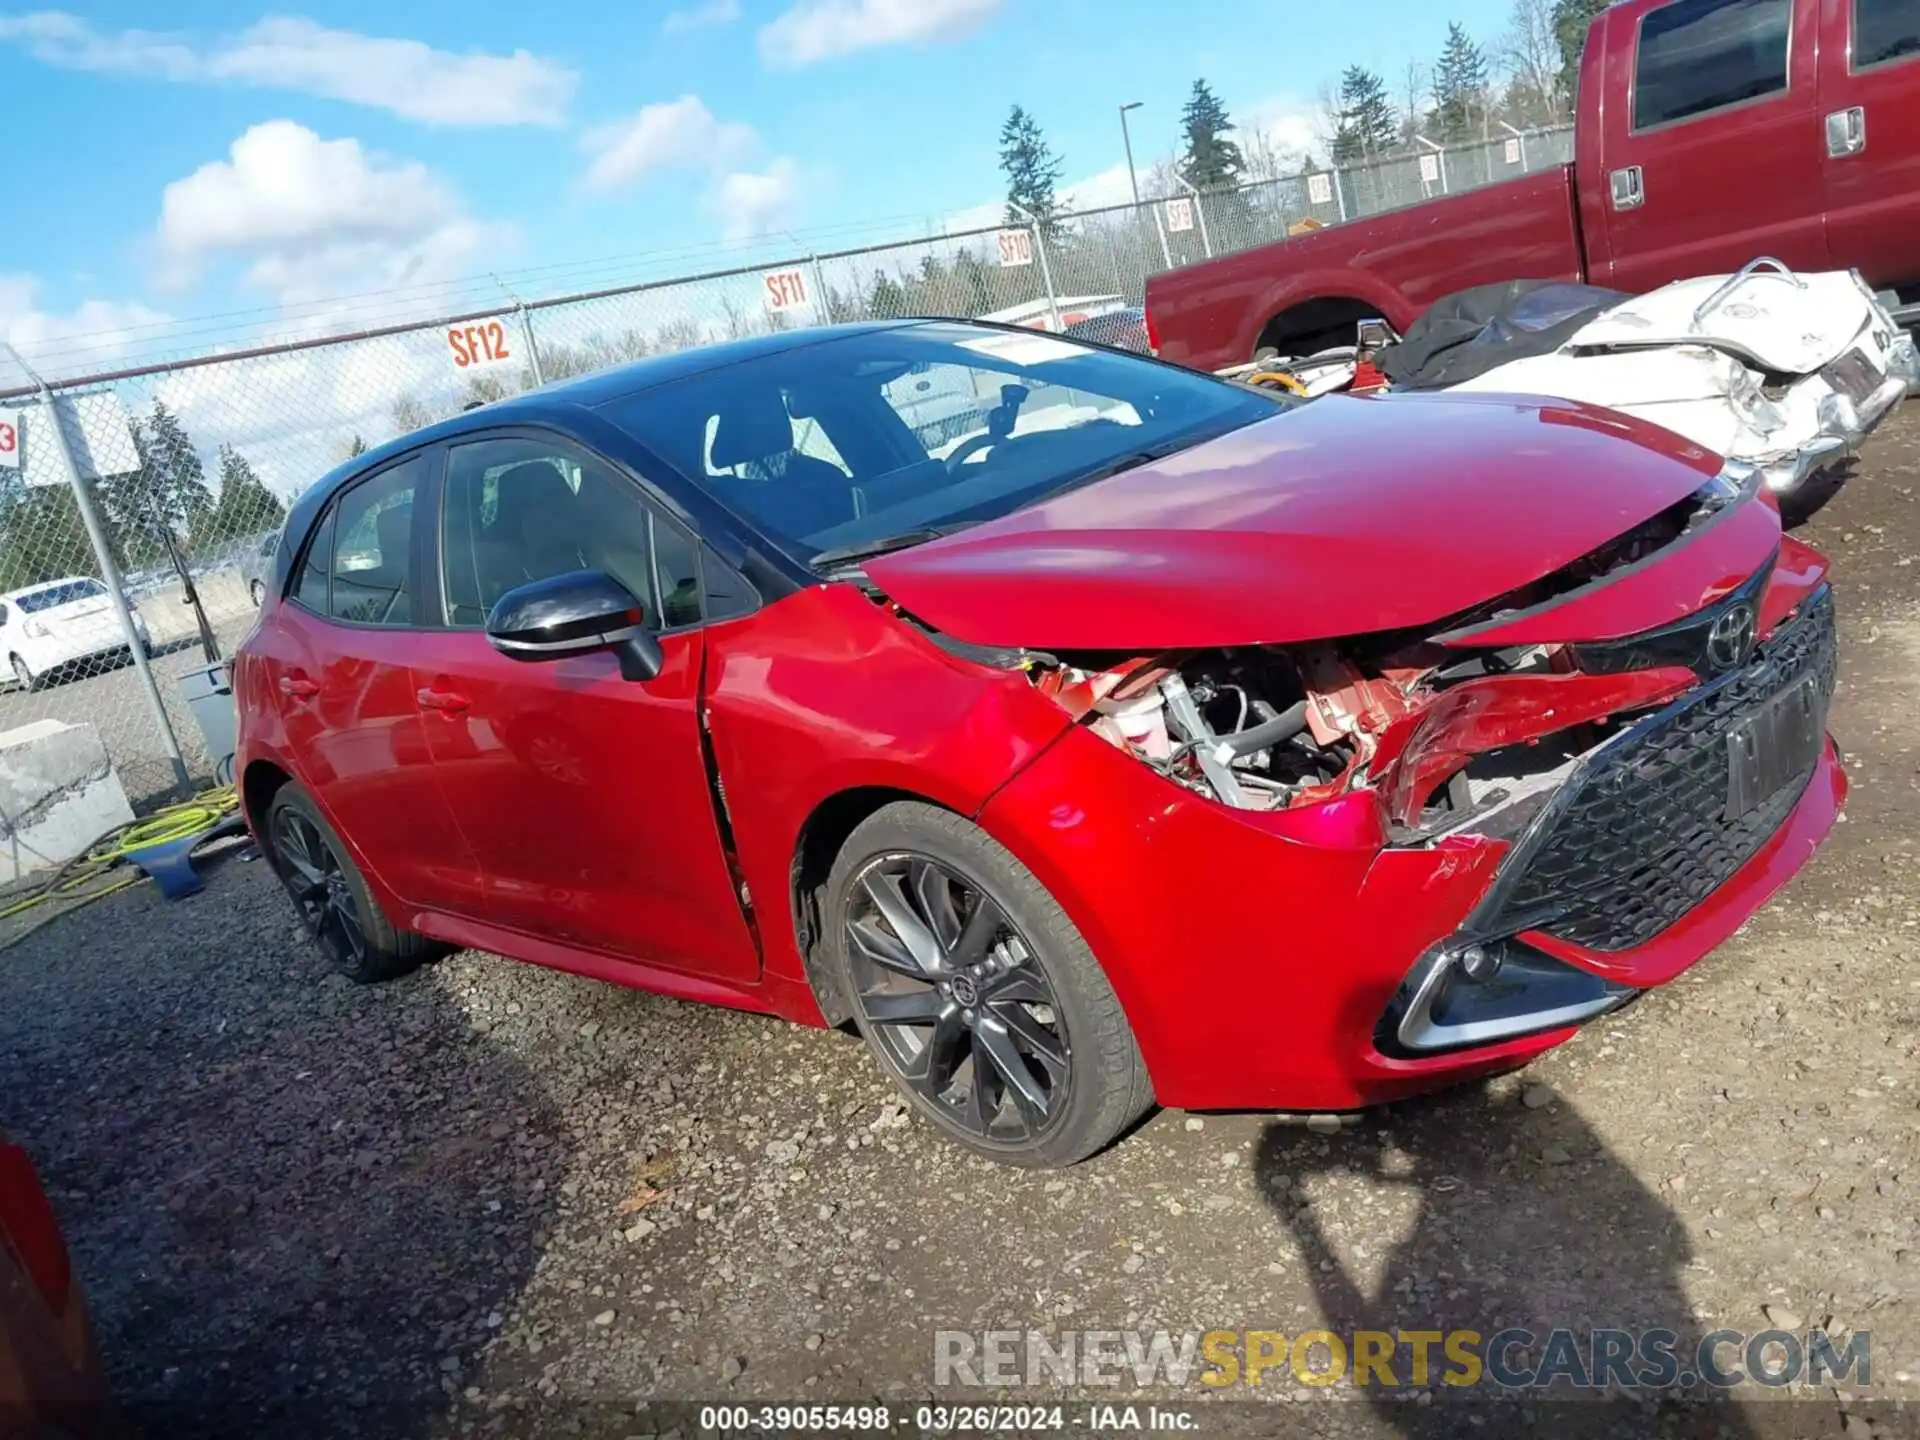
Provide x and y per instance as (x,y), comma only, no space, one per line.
(1451,736)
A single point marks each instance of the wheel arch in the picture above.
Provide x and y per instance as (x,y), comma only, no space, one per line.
(822,836)
(1307,326)
(259,783)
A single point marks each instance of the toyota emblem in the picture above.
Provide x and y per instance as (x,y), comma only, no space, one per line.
(1730,641)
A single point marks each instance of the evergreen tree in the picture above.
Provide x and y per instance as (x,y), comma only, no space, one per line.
(1364,123)
(41,535)
(1460,87)
(246,506)
(1032,171)
(1211,161)
(163,502)
(1570,21)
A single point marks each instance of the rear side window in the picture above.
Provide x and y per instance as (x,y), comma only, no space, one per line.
(55,595)
(1697,56)
(1885,30)
(360,565)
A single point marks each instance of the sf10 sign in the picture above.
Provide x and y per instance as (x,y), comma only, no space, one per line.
(784,290)
(481,345)
(9,439)
(1016,247)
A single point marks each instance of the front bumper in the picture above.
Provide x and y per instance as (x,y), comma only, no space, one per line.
(1257,954)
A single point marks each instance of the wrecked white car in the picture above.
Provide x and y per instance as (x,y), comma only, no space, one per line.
(1787,373)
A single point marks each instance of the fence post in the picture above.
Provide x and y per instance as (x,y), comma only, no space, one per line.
(533,346)
(109,571)
(1046,270)
(1160,229)
(825,307)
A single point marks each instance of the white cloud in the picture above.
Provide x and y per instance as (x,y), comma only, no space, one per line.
(815,30)
(701,16)
(407,77)
(1111,186)
(315,218)
(751,204)
(674,134)
(1290,126)
(93,332)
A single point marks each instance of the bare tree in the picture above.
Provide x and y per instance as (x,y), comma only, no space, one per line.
(1326,115)
(1530,53)
(410,414)
(1162,179)
(1416,88)
(1265,159)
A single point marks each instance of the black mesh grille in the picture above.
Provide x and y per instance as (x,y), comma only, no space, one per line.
(1642,835)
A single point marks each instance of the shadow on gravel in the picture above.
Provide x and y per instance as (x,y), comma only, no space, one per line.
(299,1207)
(1525,1220)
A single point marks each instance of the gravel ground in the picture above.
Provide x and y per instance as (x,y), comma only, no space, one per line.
(495,1199)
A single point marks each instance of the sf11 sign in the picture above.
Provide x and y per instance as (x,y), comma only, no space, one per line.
(1179,214)
(1016,247)
(481,345)
(785,290)
(9,439)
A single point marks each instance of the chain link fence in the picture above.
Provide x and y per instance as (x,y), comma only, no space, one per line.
(138,509)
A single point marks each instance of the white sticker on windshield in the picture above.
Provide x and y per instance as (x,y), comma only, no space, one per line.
(1024,349)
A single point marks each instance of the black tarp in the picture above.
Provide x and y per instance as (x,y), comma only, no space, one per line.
(1470,332)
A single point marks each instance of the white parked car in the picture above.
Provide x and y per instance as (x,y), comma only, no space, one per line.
(60,624)
(1785,372)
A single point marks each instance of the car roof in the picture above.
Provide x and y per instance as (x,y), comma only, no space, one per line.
(36,588)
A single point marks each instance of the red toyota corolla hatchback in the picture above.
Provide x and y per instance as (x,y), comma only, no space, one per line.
(1086,730)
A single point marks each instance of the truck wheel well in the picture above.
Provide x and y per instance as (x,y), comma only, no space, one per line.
(1314,325)
(257,789)
(821,839)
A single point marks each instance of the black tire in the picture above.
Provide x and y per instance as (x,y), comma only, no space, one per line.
(1039,999)
(332,898)
(257,592)
(23,675)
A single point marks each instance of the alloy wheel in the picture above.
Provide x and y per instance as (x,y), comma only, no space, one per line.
(956,1000)
(320,889)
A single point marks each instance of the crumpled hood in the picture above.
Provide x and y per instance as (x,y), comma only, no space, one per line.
(1789,324)
(1340,517)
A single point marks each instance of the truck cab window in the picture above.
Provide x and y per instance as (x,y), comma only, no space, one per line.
(1885,30)
(1697,56)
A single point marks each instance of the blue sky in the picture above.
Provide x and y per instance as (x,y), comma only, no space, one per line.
(246,159)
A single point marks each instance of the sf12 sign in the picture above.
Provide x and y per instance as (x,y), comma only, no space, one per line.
(1016,247)
(479,346)
(1179,214)
(785,290)
(9,439)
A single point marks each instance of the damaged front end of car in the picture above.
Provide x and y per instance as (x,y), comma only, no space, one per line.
(1620,779)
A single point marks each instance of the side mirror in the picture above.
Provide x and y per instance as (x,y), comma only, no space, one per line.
(578,613)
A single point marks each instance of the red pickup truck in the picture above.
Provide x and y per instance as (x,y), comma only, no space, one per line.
(1708,132)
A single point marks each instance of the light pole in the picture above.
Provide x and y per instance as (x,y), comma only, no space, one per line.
(1127,140)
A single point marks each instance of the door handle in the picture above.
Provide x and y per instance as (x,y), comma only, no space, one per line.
(298,687)
(1846,132)
(445,701)
(1629,188)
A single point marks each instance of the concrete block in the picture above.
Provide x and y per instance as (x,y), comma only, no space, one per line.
(59,793)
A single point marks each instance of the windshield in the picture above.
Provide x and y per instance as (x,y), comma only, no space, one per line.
(63,594)
(832,446)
